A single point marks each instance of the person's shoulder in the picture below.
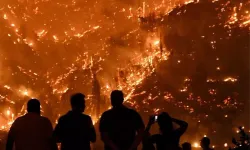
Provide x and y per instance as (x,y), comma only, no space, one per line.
(84,116)
(63,117)
(108,112)
(17,123)
(19,119)
(132,111)
(45,120)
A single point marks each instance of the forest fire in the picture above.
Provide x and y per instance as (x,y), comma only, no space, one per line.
(51,49)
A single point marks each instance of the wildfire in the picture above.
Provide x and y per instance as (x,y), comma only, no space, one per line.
(230,79)
(52,35)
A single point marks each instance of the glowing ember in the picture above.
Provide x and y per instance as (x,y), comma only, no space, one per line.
(196,145)
(225,145)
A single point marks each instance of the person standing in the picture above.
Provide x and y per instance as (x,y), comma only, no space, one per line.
(205,143)
(31,131)
(75,130)
(186,146)
(121,128)
(169,137)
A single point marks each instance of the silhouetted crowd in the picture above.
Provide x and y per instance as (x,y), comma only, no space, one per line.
(121,128)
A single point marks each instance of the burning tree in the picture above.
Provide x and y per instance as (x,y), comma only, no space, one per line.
(207,46)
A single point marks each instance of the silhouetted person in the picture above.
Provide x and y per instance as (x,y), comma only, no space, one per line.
(168,138)
(205,143)
(31,131)
(75,130)
(186,146)
(121,128)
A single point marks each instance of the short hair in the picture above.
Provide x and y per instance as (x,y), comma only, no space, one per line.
(186,146)
(77,100)
(205,141)
(117,97)
(33,105)
(165,122)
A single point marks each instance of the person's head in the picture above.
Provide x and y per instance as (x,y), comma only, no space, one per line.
(165,123)
(33,106)
(186,146)
(205,142)
(78,102)
(117,98)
